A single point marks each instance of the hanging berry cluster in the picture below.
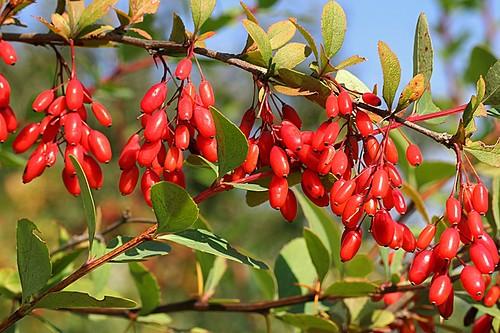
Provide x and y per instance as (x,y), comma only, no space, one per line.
(64,128)
(8,121)
(159,145)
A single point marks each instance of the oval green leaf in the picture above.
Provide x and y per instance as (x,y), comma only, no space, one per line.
(147,286)
(291,55)
(391,70)
(333,27)
(76,300)
(260,38)
(201,11)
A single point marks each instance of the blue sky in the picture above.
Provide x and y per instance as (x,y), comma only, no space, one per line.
(368,21)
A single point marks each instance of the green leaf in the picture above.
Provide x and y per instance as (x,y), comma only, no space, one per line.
(201,11)
(323,226)
(351,289)
(391,70)
(87,200)
(205,241)
(146,285)
(291,55)
(202,162)
(280,33)
(433,171)
(319,254)
(33,261)
(350,81)
(307,36)
(76,300)
(178,33)
(485,153)
(423,54)
(261,39)
(309,323)
(480,61)
(425,105)
(266,282)
(492,311)
(232,145)
(351,61)
(293,266)
(215,274)
(93,12)
(174,208)
(248,187)
(141,252)
(359,266)
(492,78)
(333,27)
(417,199)
(381,318)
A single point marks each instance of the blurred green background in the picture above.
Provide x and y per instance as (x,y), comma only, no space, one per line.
(459,27)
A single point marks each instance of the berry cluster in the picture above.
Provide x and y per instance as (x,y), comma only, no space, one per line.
(159,145)
(8,121)
(65,125)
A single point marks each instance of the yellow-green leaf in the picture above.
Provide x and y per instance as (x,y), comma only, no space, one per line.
(280,33)
(307,36)
(391,70)
(260,38)
(291,55)
(351,61)
(489,154)
(201,11)
(333,27)
(92,13)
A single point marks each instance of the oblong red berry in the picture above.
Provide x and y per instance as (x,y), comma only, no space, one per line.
(409,241)
(339,163)
(57,106)
(421,267)
(77,152)
(371,99)
(93,172)
(440,289)
(390,151)
(101,114)
(453,210)
(483,324)
(154,97)
(291,115)
(128,180)
(278,191)
(291,136)
(448,244)
(382,228)
(183,69)
(480,198)
(4,92)
(394,175)
(364,123)
(351,242)
(43,100)
(206,94)
(155,126)
(207,148)
(72,128)
(345,192)
(279,162)
(325,160)
(446,309)
(345,103)
(353,211)
(204,122)
(331,134)
(148,179)
(414,155)
(372,148)
(475,224)
(71,183)
(26,138)
(482,258)
(99,146)
(34,167)
(311,183)
(4,133)
(148,152)
(252,159)
(128,155)
(473,282)
(491,297)
(185,108)
(182,137)
(399,201)
(74,94)
(289,209)
(332,106)
(7,53)
(10,119)
(247,121)
(380,184)
(426,236)
(490,245)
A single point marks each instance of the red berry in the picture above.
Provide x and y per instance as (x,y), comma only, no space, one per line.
(344,192)
(206,94)
(72,128)
(74,95)
(440,289)
(154,97)
(473,282)
(364,123)
(483,324)
(279,162)
(99,146)
(353,211)
(71,183)
(247,121)
(318,139)
(171,159)
(391,152)
(331,133)
(480,198)
(426,236)
(128,180)
(351,241)
(207,148)
(448,244)
(311,184)
(490,245)
(4,133)
(252,159)
(7,53)
(26,138)
(339,163)
(345,103)
(182,137)
(413,155)
(372,148)
(129,153)
(155,126)
(4,92)
(332,106)
(482,258)
(183,69)
(421,267)
(491,297)
(446,309)
(399,201)
(10,119)
(204,122)
(453,210)
(370,207)
(93,172)
(409,241)
(77,152)
(371,99)
(43,100)
(325,160)
(380,184)
(57,106)
(475,224)
(382,228)
(101,114)
(289,209)
(290,135)
(149,178)
(185,107)
(278,191)
(291,115)
(35,166)
(176,177)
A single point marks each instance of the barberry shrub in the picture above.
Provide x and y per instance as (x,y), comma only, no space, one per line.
(356,183)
